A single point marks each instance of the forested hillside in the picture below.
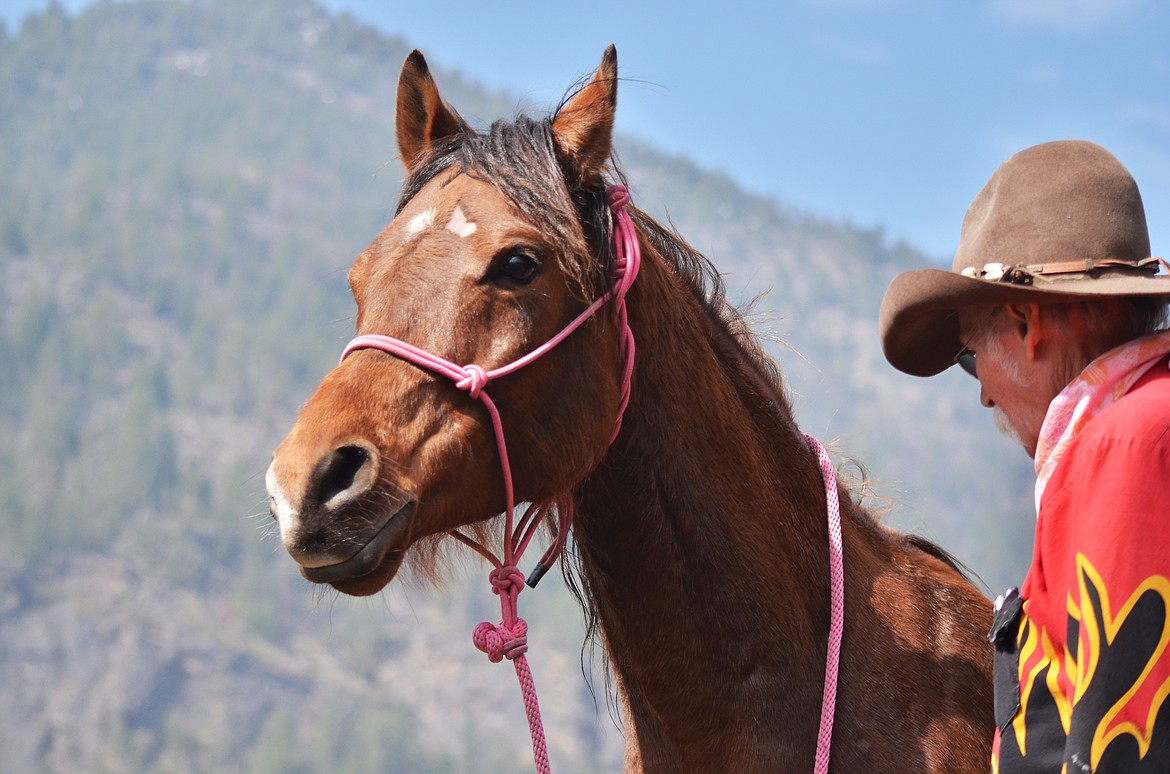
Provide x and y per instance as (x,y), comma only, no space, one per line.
(182,188)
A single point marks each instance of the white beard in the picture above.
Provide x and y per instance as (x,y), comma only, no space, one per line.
(1005,426)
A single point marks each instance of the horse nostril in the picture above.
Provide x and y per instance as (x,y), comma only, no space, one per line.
(344,474)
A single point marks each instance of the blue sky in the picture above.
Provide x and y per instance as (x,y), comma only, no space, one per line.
(886,113)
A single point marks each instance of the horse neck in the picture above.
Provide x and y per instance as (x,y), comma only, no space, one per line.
(702,533)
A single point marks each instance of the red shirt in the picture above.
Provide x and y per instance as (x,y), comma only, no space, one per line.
(1093,643)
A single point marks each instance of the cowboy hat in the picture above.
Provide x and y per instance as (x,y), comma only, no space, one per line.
(1057,222)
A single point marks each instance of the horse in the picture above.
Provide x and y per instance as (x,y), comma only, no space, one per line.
(699,535)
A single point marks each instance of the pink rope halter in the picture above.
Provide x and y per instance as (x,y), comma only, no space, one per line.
(509,638)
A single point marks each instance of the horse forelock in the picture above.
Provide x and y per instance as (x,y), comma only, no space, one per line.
(518,157)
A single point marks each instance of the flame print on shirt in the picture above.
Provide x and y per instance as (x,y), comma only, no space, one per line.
(1110,675)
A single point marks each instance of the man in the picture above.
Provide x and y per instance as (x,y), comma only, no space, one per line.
(1055,305)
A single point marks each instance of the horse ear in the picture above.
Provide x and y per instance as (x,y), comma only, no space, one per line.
(583,127)
(422,117)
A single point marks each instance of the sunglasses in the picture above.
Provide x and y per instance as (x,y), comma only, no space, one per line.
(965,357)
(966,360)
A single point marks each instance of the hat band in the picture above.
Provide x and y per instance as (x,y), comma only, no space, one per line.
(1027,273)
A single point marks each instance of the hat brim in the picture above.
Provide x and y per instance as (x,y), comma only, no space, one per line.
(919,320)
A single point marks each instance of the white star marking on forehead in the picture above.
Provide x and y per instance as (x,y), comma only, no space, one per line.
(420,222)
(459,225)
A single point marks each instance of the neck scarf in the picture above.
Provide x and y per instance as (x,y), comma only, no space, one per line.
(1104,381)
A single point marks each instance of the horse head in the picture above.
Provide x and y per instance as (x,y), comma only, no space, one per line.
(500,240)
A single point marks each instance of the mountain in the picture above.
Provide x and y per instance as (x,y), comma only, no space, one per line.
(184,186)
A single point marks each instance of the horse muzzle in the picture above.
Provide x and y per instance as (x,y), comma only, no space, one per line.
(332,522)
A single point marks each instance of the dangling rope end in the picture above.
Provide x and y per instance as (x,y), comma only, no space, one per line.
(537,573)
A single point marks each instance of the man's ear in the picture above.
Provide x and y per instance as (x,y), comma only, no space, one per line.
(1030,327)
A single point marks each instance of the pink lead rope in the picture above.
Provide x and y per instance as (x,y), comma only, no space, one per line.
(836,605)
(509,638)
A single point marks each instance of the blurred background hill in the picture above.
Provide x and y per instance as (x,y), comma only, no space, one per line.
(182,189)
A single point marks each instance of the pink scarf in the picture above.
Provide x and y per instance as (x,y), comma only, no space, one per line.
(1104,381)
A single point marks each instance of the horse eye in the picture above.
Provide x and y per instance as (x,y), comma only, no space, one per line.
(519,268)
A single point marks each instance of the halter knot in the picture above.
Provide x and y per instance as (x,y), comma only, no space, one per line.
(507,581)
(501,642)
(475,380)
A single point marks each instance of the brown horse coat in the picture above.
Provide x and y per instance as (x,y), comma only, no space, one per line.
(700,537)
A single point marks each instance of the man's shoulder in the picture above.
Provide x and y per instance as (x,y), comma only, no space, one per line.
(1141,415)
